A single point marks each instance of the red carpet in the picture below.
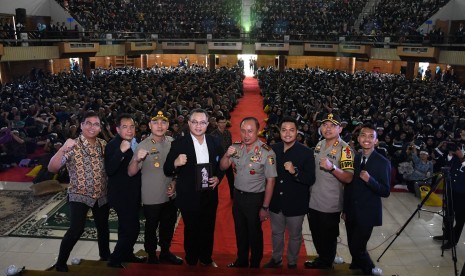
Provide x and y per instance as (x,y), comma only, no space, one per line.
(225,239)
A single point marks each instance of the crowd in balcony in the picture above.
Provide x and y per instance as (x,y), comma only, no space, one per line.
(43,109)
(411,117)
(299,18)
(402,19)
(167,18)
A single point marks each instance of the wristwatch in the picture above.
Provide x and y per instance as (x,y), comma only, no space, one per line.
(333,169)
(265,208)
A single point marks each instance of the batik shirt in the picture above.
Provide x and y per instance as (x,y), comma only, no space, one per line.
(87,176)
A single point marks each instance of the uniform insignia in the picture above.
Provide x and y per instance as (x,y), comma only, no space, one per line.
(347,159)
(256,150)
(265,146)
(252,171)
(271,160)
(237,142)
(333,152)
(256,158)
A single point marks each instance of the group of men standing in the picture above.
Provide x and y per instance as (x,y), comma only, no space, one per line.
(282,182)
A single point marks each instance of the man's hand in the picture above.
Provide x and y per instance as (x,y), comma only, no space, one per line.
(141,155)
(231,151)
(181,160)
(365,176)
(69,145)
(214,181)
(288,166)
(325,163)
(124,146)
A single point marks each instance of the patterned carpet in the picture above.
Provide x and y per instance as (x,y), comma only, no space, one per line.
(52,221)
(16,206)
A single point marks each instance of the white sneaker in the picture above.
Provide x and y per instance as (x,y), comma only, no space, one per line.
(376,271)
(401,187)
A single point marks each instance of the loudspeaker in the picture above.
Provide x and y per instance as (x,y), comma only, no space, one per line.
(21,15)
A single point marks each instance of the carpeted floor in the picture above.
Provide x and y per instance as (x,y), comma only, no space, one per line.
(53,221)
(16,206)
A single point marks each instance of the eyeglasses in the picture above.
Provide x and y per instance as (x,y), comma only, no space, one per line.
(201,123)
(89,124)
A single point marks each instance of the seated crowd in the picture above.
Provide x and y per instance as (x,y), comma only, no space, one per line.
(414,119)
(167,18)
(44,109)
(273,18)
(401,19)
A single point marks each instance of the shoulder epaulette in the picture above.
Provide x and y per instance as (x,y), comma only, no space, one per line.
(265,146)
(237,142)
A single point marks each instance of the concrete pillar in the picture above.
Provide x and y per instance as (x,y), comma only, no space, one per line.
(211,62)
(410,73)
(86,66)
(281,63)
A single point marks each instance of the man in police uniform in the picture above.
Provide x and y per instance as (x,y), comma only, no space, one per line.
(157,191)
(255,166)
(334,165)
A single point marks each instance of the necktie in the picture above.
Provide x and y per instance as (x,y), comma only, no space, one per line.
(362,165)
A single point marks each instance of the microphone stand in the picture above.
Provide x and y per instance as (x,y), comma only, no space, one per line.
(445,171)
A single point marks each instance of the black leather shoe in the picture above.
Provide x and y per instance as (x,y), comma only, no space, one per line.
(292,266)
(440,238)
(61,267)
(115,264)
(316,264)
(170,258)
(136,259)
(447,245)
(273,264)
(211,264)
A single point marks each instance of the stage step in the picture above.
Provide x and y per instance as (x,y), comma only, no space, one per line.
(90,267)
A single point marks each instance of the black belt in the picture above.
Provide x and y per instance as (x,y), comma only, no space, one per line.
(247,193)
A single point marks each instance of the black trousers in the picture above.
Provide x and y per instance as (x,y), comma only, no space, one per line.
(248,227)
(230,176)
(199,228)
(162,217)
(128,228)
(357,237)
(325,230)
(78,214)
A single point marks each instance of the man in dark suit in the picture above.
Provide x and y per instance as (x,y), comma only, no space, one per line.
(362,198)
(123,191)
(295,164)
(198,208)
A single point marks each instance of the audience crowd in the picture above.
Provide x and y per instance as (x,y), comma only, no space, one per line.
(44,109)
(411,117)
(401,19)
(275,18)
(167,18)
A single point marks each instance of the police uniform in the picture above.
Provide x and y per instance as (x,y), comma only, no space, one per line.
(326,198)
(252,170)
(159,210)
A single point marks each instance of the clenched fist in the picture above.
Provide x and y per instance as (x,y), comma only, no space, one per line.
(141,154)
(288,166)
(180,161)
(231,151)
(69,145)
(124,146)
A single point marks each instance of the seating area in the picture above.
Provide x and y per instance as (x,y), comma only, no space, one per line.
(167,18)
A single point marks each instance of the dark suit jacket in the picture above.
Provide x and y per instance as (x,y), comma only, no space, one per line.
(362,201)
(121,186)
(187,196)
(291,193)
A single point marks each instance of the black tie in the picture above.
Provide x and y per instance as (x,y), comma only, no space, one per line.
(364,161)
